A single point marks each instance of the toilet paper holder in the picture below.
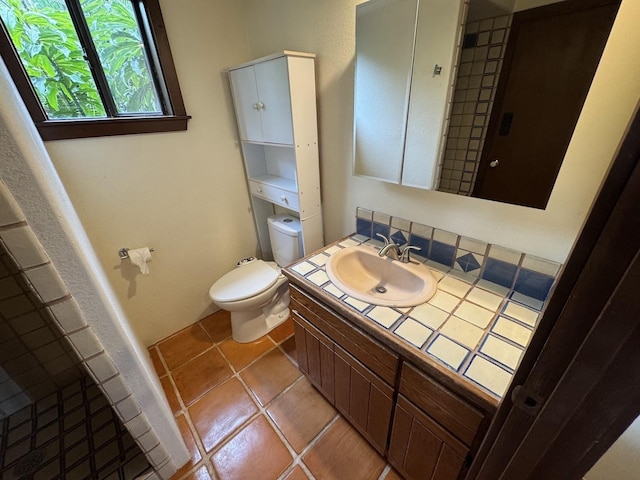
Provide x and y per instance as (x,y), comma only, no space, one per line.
(124,252)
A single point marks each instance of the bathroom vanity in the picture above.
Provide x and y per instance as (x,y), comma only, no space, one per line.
(428,420)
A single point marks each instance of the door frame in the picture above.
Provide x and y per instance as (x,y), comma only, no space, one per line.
(570,399)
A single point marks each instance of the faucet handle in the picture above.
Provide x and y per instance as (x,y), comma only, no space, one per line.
(406,252)
(386,240)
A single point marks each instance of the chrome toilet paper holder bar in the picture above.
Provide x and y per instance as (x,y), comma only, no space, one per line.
(124,252)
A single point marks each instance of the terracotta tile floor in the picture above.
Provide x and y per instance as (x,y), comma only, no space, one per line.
(246,412)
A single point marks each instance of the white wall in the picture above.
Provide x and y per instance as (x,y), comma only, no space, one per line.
(621,461)
(182,193)
(328,28)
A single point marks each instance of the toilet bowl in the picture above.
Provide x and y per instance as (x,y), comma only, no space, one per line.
(255,292)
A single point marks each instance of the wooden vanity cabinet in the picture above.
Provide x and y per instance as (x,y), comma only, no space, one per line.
(358,393)
(426,430)
(434,430)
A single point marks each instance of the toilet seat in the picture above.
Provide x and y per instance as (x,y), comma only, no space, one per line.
(244,282)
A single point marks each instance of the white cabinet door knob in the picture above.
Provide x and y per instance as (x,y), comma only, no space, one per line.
(259,190)
(284,199)
(260,106)
(255,106)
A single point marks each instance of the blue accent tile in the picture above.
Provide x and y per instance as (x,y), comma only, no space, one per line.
(497,271)
(363,227)
(442,253)
(533,284)
(468,263)
(421,242)
(379,228)
(399,238)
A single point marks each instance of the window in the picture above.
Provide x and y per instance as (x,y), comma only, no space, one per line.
(90,68)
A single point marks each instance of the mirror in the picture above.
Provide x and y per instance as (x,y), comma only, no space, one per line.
(513,106)
(400,99)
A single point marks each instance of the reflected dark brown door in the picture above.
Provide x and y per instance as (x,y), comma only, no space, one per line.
(551,58)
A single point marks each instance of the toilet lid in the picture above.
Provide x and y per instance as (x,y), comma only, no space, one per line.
(244,282)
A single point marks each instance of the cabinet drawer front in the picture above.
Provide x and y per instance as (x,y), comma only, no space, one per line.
(274,195)
(422,450)
(375,356)
(456,415)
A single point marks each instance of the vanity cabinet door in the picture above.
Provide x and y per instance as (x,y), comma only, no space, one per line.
(420,449)
(315,356)
(363,398)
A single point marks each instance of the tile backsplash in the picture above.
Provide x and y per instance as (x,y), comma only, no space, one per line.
(528,276)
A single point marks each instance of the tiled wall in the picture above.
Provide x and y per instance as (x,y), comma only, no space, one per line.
(40,274)
(526,274)
(72,433)
(474,93)
(34,356)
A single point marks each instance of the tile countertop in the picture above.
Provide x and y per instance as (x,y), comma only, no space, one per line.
(470,329)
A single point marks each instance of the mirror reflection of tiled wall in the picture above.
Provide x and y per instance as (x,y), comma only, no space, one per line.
(477,79)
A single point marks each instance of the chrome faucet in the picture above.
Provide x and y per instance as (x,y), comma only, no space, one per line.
(405,252)
(393,251)
(389,249)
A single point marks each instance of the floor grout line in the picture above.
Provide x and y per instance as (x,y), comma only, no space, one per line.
(262,410)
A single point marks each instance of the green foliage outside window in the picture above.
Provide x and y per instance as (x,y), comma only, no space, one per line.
(46,40)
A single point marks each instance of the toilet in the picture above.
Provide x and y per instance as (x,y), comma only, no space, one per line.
(255,292)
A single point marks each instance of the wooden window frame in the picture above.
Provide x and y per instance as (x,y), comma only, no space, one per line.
(169,91)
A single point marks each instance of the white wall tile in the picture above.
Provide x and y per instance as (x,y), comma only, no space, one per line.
(10,212)
(158,455)
(24,247)
(102,368)
(128,409)
(138,426)
(115,389)
(68,315)
(47,283)
(148,441)
(86,343)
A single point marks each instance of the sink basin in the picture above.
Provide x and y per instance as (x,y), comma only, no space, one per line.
(361,273)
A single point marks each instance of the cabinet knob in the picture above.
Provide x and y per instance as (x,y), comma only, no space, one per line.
(255,106)
(260,106)
(284,199)
(259,190)
(494,163)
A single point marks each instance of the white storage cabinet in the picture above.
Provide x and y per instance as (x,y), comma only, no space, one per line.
(275,104)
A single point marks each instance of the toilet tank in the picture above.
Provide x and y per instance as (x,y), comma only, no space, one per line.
(285,233)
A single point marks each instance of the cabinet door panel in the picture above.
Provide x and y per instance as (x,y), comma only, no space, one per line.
(318,357)
(245,97)
(301,346)
(420,449)
(272,79)
(363,398)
